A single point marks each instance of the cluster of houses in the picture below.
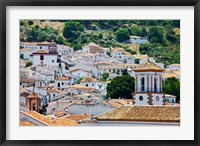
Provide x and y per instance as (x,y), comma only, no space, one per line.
(63,87)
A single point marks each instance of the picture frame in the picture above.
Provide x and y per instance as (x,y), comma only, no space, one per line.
(3,66)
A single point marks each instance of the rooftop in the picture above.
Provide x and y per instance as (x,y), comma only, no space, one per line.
(148,66)
(143,113)
(33,95)
(89,80)
(48,121)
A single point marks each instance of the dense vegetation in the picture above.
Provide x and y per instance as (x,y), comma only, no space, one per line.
(121,86)
(163,35)
(172,86)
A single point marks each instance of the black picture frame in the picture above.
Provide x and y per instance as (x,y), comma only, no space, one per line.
(5,3)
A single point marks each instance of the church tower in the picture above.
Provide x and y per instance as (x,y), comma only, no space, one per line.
(33,101)
(148,85)
(53,48)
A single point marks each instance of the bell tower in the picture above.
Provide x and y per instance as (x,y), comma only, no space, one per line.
(148,85)
(33,101)
(53,47)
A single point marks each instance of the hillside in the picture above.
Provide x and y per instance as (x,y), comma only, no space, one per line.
(163,35)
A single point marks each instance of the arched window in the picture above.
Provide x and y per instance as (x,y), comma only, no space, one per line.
(155,85)
(143,84)
(34,107)
(41,57)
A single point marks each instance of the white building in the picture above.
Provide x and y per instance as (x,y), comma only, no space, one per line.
(117,53)
(63,82)
(138,40)
(170,98)
(173,67)
(25,53)
(81,72)
(62,49)
(93,83)
(93,48)
(148,85)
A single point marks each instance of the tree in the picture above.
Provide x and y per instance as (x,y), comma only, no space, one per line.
(122,34)
(172,86)
(100,36)
(29,64)
(135,30)
(59,39)
(121,87)
(72,29)
(30,22)
(105,76)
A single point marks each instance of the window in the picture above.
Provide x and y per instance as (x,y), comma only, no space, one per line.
(40,47)
(58,85)
(52,60)
(142,84)
(86,85)
(92,84)
(41,57)
(155,85)
(157,98)
(54,95)
(141,98)
(62,83)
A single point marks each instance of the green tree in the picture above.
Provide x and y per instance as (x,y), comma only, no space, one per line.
(29,63)
(100,36)
(122,34)
(121,86)
(135,30)
(30,22)
(172,86)
(59,39)
(72,29)
(105,76)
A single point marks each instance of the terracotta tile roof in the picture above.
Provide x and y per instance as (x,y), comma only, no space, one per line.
(27,80)
(43,43)
(41,52)
(33,95)
(143,113)
(26,123)
(53,90)
(148,66)
(82,88)
(82,117)
(49,122)
(89,80)
(63,78)
(117,50)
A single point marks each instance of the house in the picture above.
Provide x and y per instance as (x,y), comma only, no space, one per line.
(93,83)
(63,82)
(27,82)
(138,40)
(63,50)
(52,92)
(81,72)
(117,53)
(28,45)
(25,53)
(173,67)
(93,48)
(170,98)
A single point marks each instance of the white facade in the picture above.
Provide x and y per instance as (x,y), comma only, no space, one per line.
(170,98)
(173,67)
(49,59)
(81,73)
(26,53)
(138,40)
(62,84)
(117,54)
(64,49)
